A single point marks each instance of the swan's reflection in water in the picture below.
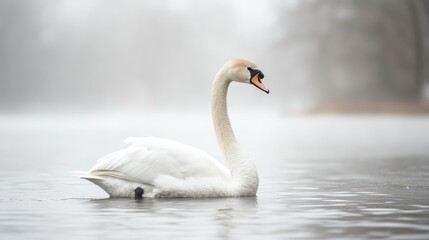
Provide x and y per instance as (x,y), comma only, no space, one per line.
(214,217)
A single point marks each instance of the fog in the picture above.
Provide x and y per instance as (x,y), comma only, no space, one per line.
(137,56)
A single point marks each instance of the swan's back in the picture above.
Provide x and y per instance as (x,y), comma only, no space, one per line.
(162,167)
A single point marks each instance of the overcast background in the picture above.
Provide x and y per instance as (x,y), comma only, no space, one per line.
(137,56)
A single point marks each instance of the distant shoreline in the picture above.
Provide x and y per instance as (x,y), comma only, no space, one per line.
(380,107)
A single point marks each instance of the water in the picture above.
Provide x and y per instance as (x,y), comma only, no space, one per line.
(321,177)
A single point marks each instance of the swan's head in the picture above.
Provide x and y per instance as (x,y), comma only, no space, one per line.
(244,71)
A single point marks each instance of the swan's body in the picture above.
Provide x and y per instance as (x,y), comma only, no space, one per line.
(165,168)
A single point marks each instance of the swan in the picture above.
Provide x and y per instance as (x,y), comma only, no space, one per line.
(154,167)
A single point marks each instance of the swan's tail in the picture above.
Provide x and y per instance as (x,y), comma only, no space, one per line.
(100,174)
(85,175)
(114,183)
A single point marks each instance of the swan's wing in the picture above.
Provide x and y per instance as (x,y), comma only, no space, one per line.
(147,159)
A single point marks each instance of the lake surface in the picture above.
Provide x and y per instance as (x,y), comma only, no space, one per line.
(320,177)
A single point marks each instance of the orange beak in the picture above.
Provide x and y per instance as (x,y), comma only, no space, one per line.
(257,82)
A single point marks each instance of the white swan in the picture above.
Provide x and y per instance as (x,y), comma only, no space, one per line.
(154,167)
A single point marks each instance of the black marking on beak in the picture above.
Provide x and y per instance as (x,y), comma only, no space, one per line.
(253,72)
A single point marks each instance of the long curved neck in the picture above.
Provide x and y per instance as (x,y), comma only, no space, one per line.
(243,171)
